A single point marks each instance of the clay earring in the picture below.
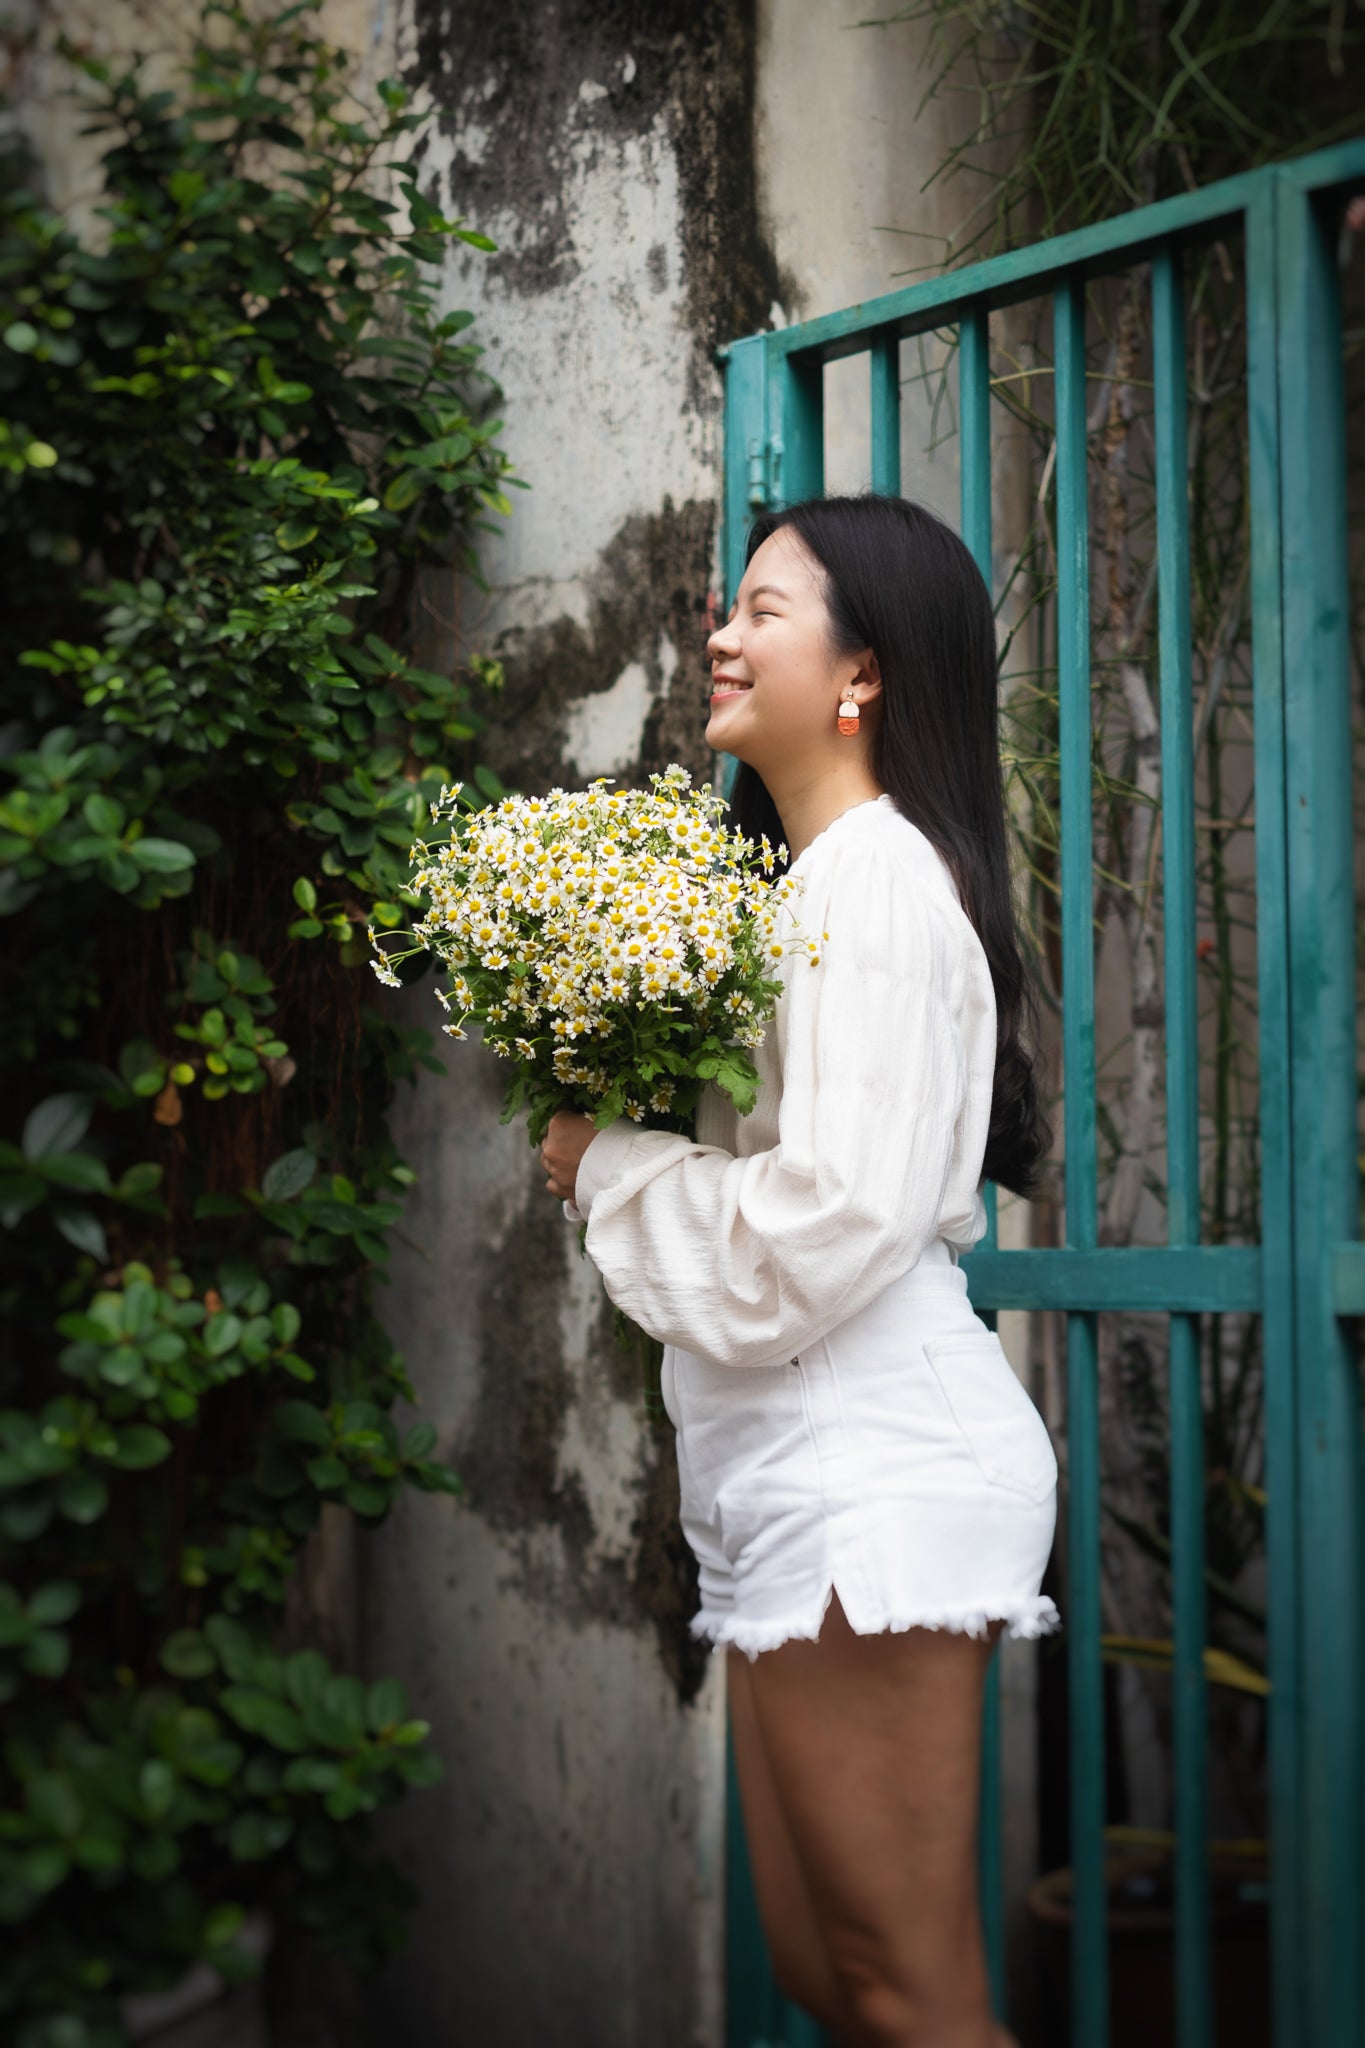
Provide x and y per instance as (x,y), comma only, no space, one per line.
(849,713)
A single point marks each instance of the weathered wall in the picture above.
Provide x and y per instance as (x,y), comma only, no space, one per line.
(571,1866)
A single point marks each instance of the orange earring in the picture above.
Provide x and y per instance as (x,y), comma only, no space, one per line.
(849,713)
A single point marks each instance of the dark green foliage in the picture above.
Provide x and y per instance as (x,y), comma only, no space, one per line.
(1085,108)
(237,429)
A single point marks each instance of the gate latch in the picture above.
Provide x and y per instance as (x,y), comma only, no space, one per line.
(765,472)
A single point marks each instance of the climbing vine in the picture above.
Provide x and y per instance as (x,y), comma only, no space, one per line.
(238,431)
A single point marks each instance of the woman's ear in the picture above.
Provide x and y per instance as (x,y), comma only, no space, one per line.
(869,676)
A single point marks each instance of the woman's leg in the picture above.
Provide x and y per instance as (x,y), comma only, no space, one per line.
(872,1749)
(795,1942)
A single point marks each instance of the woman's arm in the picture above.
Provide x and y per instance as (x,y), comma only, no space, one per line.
(745,1261)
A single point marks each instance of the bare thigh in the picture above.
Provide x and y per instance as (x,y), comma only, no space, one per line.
(872,1751)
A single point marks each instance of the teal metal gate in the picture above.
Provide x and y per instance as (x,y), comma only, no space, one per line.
(1306,1277)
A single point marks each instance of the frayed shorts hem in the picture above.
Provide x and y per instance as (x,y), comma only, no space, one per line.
(1028,1619)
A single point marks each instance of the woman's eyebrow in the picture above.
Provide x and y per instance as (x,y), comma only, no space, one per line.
(766,590)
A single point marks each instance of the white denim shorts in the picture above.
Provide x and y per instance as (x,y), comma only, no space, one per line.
(898,1462)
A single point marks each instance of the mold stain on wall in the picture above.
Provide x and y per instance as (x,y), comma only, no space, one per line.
(523,86)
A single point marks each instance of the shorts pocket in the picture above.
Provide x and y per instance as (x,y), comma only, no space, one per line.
(1002,1429)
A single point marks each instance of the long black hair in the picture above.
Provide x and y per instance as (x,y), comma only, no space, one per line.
(900,581)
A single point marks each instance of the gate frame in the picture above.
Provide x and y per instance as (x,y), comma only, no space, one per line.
(1306,1276)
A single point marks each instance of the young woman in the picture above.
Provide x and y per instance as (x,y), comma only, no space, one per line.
(869,1491)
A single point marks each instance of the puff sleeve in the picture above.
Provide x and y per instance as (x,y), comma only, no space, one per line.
(746,1260)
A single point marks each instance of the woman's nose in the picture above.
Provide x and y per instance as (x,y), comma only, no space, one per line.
(722,644)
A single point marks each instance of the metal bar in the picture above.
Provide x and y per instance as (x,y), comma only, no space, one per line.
(1031,272)
(746,430)
(974,411)
(974,408)
(796,427)
(1277,1220)
(1317,726)
(1189,1280)
(1089,1948)
(1327,171)
(1193,1986)
(745,481)
(884,362)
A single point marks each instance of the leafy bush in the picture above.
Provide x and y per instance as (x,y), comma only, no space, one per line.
(238,428)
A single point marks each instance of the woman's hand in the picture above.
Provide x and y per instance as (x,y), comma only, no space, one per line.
(563,1146)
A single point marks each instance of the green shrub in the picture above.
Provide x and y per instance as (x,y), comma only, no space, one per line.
(237,430)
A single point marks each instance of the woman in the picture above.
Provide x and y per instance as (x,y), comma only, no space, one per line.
(868,1489)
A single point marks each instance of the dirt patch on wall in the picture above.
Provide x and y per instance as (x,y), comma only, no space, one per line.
(647,605)
(508,1457)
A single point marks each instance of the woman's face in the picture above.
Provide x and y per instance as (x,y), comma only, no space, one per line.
(776,680)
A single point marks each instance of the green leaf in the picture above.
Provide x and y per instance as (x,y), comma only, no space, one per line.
(386,1705)
(83,1496)
(54,1603)
(259,1714)
(53,1803)
(47,1654)
(420,1440)
(326,1473)
(254,1836)
(305,895)
(222,1924)
(363,1497)
(289,1175)
(186,1654)
(406,488)
(236,1651)
(305,1675)
(155,1857)
(343,1699)
(345,1800)
(14,1622)
(222,1333)
(296,533)
(300,1422)
(83,1229)
(285,1321)
(45,1866)
(104,814)
(140,1446)
(161,856)
(56,1125)
(140,1179)
(80,1170)
(185,186)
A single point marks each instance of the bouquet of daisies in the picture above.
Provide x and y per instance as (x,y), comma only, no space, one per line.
(617,947)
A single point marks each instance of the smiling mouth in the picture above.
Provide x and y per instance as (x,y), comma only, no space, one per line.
(723,687)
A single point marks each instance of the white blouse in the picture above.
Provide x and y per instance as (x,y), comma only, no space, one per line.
(867,1138)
